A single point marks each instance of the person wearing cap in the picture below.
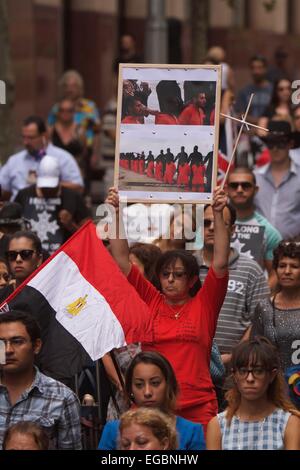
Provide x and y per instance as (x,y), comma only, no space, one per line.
(279,181)
(54,211)
(11,221)
(20,169)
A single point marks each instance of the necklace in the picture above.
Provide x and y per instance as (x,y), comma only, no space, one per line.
(177,314)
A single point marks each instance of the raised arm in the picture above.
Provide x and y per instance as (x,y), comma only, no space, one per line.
(222,233)
(118,242)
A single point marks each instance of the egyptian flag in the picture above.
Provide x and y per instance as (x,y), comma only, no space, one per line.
(84,304)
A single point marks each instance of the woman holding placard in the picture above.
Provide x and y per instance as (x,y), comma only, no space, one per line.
(184,317)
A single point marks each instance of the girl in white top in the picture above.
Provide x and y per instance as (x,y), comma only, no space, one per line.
(259,415)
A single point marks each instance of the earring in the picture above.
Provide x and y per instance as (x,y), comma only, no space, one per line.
(131,397)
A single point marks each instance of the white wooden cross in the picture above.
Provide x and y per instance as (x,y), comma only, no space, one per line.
(244,122)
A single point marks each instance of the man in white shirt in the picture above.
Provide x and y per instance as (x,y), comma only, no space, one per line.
(21,168)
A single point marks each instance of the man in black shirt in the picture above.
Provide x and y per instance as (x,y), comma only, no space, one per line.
(54,212)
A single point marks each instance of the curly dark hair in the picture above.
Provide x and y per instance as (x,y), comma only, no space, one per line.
(289,248)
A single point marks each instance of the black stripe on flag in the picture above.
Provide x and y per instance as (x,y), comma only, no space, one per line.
(61,356)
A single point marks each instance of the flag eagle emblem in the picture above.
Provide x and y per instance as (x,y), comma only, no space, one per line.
(75,307)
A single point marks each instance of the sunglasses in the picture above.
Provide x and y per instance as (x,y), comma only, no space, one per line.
(244,185)
(175,274)
(279,145)
(25,255)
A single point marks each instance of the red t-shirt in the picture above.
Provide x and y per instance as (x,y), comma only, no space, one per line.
(192,116)
(185,342)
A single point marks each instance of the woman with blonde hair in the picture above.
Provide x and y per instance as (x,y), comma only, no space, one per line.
(259,415)
(147,429)
(25,435)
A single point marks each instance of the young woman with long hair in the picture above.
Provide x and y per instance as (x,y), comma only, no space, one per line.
(150,382)
(259,415)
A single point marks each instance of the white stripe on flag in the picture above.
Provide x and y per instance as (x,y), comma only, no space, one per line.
(79,307)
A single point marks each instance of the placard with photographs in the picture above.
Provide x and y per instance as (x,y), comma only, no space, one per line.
(167,132)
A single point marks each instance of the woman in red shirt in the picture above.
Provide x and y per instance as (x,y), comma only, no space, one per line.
(184,317)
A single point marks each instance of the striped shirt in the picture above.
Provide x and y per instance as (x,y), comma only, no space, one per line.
(247,286)
(266,434)
(48,403)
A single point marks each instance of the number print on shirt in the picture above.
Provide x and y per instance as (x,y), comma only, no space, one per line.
(296,354)
(236,286)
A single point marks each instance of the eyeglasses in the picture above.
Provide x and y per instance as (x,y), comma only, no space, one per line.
(245,185)
(175,274)
(25,255)
(14,342)
(257,372)
(279,145)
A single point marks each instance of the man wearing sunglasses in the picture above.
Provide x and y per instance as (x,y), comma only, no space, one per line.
(242,188)
(278,198)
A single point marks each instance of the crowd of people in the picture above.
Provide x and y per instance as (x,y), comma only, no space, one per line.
(222,371)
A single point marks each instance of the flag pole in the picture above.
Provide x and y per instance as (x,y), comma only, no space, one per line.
(117,367)
(244,123)
(98,390)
